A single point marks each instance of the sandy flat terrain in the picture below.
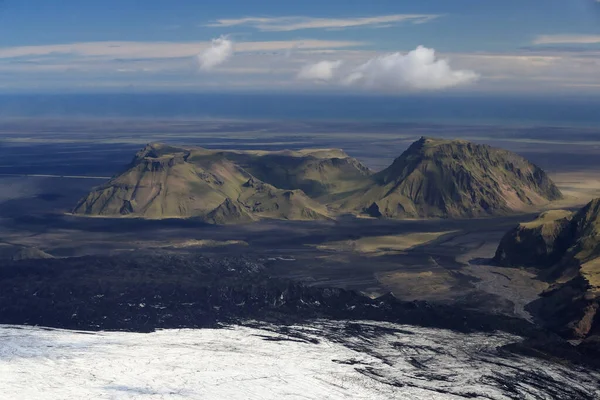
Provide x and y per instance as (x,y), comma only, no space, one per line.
(382,245)
(578,187)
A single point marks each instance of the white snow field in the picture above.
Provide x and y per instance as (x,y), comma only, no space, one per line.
(326,360)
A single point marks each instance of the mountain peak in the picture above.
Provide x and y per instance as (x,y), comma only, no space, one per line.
(433,147)
(455,178)
(436,141)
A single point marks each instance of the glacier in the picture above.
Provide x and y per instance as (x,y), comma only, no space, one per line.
(323,359)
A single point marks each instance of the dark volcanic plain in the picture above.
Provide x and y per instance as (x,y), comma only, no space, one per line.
(49,164)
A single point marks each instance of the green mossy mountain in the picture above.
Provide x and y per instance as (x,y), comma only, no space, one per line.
(456,179)
(433,178)
(565,248)
(224,186)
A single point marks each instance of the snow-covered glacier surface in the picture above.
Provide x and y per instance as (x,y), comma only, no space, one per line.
(324,360)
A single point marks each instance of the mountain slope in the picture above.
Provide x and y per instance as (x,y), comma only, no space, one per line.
(170,182)
(540,243)
(570,259)
(453,178)
(320,173)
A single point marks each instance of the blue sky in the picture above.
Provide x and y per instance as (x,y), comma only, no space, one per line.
(327,45)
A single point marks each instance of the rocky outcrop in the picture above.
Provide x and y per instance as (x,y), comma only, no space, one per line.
(541,243)
(568,308)
(565,248)
(229,212)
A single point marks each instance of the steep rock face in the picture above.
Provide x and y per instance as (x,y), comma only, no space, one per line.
(569,308)
(586,230)
(566,250)
(453,178)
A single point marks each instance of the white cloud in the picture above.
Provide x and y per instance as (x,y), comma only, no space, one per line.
(220,50)
(321,71)
(567,39)
(282,24)
(276,64)
(417,70)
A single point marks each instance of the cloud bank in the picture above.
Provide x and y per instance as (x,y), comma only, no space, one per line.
(418,70)
(220,50)
(283,24)
(266,65)
(321,71)
(163,50)
(567,39)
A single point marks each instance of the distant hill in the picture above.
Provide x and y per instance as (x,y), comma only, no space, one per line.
(224,186)
(453,178)
(565,248)
(433,178)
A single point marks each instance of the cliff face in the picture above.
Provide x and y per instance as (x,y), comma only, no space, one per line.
(565,247)
(454,178)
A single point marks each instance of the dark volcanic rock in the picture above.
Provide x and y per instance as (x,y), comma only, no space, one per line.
(164,290)
(567,308)
(160,290)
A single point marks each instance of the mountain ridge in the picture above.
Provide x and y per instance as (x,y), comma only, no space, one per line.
(433,178)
